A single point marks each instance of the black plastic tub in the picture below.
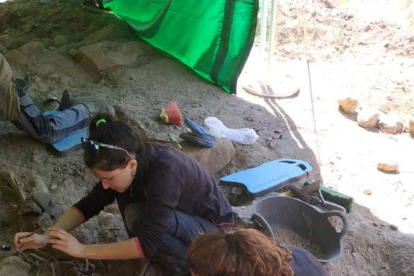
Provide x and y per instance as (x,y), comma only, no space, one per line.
(280,212)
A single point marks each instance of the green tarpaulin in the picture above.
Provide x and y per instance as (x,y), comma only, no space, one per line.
(213,37)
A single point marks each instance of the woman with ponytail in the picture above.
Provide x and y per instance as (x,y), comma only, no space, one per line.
(165,197)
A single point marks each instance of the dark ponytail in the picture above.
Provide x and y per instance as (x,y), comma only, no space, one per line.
(106,129)
(99,120)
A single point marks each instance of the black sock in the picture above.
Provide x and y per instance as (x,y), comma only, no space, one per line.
(20,87)
(65,101)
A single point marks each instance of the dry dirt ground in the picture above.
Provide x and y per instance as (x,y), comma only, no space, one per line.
(370,60)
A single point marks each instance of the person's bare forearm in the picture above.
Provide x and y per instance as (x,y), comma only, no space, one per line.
(70,219)
(128,249)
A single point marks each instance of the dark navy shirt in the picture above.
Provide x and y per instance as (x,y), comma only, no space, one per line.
(305,264)
(166,179)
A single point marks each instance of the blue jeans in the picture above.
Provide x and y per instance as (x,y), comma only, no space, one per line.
(51,128)
(182,229)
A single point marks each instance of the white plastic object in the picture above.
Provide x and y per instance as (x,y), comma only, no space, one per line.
(245,136)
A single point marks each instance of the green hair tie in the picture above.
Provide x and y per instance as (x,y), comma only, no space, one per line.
(100,121)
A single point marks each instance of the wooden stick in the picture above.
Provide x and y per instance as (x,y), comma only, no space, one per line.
(38,271)
(175,140)
(86,265)
(43,254)
(53,269)
(37,257)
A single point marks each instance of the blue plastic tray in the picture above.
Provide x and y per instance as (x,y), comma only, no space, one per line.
(268,177)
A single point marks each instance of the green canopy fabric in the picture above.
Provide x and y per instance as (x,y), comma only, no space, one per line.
(212,37)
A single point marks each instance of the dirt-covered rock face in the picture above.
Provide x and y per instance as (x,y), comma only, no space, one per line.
(14,266)
(60,43)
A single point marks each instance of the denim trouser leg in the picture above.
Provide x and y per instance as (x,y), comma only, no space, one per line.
(182,229)
(52,128)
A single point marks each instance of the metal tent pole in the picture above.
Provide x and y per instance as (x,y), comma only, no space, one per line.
(263,29)
(270,83)
(272,35)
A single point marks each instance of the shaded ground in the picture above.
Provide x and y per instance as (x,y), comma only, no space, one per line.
(140,91)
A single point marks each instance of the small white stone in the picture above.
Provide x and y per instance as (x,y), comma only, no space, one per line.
(59,41)
(38,184)
(73,52)
(106,219)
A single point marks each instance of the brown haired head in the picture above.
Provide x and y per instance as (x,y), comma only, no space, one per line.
(246,252)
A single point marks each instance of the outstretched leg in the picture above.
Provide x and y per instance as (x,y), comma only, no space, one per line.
(17,106)
(51,128)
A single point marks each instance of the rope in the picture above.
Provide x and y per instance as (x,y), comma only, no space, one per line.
(305,37)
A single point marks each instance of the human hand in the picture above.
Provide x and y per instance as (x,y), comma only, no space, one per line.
(65,242)
(28,240)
